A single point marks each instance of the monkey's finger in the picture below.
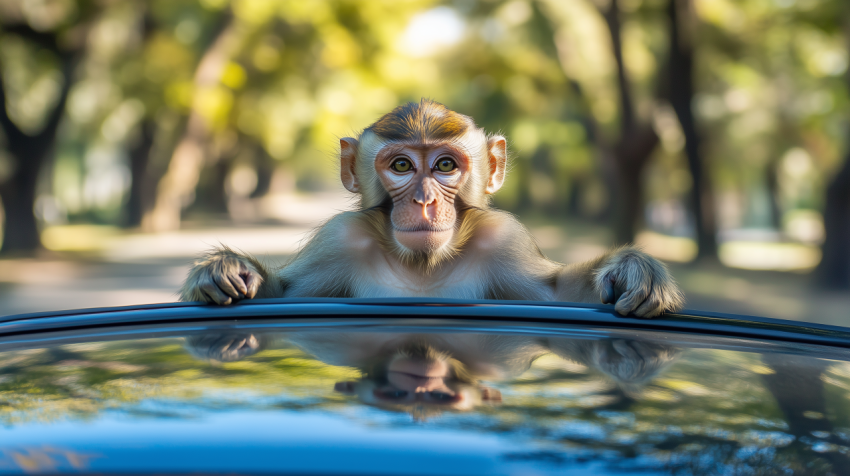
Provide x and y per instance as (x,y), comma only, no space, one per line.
(608,296)
(652,307)
(215,294)
(644,351)
(235,345)
(238,281)
(226,284)
(638,290)
(628,301)
(252,282)
(623,348)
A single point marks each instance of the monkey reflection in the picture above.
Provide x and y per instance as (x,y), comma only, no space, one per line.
(630,363)
(417,373)
(428,373)
(225,347)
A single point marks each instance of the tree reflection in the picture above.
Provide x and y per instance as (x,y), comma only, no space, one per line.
(627,404)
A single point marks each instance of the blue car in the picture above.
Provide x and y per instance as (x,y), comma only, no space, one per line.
(420,387)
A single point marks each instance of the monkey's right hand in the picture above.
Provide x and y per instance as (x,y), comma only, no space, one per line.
(228,347)
(222,278)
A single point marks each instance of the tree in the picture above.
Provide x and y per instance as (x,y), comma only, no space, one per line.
(184,169)
(30,152)
(834,269)
(633,148)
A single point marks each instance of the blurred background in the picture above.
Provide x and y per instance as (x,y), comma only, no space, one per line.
(137,134)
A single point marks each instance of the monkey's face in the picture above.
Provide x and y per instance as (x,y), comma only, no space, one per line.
(426,159)
(420,376)
(423,182)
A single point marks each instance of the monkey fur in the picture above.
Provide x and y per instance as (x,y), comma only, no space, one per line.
(425,228)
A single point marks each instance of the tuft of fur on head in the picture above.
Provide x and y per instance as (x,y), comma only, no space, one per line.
(421,122)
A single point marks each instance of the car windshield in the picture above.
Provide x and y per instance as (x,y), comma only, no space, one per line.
(402,398)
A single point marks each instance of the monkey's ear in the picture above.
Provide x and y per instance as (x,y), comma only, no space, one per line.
(497,152)
(348,159)
(347,388)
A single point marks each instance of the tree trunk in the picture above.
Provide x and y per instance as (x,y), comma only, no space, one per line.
(629,198)
(681,91)
(266,166)
(771,181)
(30,153)
(834,269)
(20,230)
(633,149)
(142,186)
(178,184)
(210,194)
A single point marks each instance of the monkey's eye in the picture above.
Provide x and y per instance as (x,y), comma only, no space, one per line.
(401,165)
(446,165)
(442,396)
(393,394)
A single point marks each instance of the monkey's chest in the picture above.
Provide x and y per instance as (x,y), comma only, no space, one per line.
(456,280)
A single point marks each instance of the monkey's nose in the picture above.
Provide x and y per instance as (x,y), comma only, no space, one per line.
(425,206)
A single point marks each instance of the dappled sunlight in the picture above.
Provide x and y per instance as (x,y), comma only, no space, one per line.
(667,248)
(432,32)
(112,244)
(770,256)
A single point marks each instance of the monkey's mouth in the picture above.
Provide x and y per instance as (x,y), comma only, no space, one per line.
(423,238)
(422,228)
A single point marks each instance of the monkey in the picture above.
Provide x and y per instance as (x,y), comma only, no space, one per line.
(424,227)
(426,374)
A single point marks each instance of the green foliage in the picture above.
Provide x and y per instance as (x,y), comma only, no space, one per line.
(300,74)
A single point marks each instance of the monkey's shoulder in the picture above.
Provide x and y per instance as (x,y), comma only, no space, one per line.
(350,232)
(497,230)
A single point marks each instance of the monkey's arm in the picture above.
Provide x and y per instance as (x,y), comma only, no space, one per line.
(322,268)
(627,277)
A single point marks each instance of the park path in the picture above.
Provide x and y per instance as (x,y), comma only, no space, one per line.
(125,269)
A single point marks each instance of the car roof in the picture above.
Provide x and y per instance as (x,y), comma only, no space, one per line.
(149,389)
(376,310)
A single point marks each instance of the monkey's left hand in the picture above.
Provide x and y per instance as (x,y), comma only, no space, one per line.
(637,283)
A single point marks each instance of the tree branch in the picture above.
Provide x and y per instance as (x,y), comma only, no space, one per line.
(46,40)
